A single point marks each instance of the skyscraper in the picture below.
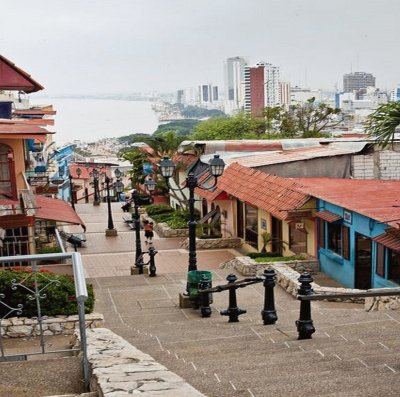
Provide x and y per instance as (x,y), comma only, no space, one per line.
(262,88)
(357,81)
(234,84)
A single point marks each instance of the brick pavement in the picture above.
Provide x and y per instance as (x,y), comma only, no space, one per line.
(113,256)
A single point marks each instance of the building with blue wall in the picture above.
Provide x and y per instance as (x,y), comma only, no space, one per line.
(63,157)
(357,223)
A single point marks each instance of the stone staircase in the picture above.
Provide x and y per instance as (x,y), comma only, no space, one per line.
(352,353)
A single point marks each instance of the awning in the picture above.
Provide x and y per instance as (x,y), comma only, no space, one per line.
(388,241)
(328,216)
(56,210)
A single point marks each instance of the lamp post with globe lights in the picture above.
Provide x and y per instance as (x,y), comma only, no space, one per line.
(216,169)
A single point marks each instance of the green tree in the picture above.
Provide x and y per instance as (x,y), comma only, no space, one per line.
(312,118)
(165,144)
(272,116)
(137,158)
(181,127)
(381,124)
(240,126)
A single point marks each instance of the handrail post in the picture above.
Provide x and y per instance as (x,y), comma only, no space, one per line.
(305,326)
(152,264)
(233,311)
(205,309)
(268,314)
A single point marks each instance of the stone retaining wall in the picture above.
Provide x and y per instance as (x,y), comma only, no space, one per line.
(214,243)
(119,369)
(289,272)
(165,231)
(21,327)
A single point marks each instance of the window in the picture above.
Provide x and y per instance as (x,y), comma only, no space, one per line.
(335,237)
(321,233)
(6,172)
(297,239)
(380,260)
(251,222)
(339,239)
(394,266)
(346,242)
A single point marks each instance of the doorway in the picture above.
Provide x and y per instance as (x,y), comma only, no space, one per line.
(276,232)
(363,262)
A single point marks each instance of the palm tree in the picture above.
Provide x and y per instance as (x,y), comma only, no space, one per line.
(382,123)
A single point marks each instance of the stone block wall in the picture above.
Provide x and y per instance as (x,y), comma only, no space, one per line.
(119,369)
(165,231)
(384,164)
(214,243)
(363,167)
(21,327)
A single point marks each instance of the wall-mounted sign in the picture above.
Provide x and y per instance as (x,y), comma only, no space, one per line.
(347,216)
(263,224)
(299,225)
(38,180)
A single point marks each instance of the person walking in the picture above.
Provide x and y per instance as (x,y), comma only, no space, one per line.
(148,232)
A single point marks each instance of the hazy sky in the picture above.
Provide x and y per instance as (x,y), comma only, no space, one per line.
(95,46)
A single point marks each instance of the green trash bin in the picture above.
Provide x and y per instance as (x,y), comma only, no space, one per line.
(194,277)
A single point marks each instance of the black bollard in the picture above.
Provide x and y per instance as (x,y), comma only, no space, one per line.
(269,313)
(152,264)
(233,311)
(205,309)
(305,326)
(139,263)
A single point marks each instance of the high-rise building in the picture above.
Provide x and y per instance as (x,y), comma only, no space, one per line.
(234,84)
(395,94)
(284,93)
(262,88)
(357,81)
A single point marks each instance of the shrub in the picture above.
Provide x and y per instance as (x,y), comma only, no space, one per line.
(155,209)
(207,237)
(49,250)
(58,297)
(254,255)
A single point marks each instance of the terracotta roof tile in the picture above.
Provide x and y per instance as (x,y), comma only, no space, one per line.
(376,199)
(56,210)
(274,194)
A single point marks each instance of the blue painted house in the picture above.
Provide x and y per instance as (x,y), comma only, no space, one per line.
(63,157)
(358,234)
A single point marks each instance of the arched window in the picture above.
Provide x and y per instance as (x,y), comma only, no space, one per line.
(7,177)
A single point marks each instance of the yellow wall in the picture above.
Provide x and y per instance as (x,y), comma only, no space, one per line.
(17,146)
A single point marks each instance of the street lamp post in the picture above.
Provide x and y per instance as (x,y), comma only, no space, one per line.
(95,174)
(150,184)
(138,255)
(110,231)
(216,168)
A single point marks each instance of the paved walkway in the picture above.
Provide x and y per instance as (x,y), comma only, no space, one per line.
(352,353)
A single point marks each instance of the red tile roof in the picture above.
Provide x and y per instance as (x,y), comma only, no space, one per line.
(376,199)
(14,78)
(35,111)
(388,241)
(56,210)
(277,195)
(28,121)
(328,216)
(7,128)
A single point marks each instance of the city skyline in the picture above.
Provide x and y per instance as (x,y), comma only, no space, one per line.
(137,46)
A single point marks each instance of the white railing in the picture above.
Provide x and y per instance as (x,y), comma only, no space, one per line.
(37,292)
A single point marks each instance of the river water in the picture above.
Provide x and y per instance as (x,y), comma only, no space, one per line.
(92,119)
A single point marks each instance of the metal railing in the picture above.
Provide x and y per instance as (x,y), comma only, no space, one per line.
(35,284)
